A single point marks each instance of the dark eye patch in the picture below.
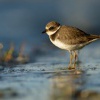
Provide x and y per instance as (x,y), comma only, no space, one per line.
(51,28)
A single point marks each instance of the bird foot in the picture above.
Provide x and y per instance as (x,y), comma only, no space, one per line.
(70,67)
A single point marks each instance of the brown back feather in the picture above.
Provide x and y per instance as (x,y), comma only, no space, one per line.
(72,35)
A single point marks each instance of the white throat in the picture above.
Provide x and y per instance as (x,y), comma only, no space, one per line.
(52,32)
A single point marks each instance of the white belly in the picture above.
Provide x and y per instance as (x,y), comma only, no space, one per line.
(70,47)
(66,46)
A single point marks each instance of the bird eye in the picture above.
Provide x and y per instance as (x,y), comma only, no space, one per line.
(51,28)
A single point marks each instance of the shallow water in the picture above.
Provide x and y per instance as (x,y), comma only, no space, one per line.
(49,79)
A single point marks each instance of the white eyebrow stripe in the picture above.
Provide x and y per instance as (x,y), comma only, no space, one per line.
(46,27)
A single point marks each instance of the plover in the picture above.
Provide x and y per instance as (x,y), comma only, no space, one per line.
(68,38)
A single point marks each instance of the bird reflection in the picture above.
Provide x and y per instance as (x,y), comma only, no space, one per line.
(70,85)
(64,86)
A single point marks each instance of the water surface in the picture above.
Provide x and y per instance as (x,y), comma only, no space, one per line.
(49,79)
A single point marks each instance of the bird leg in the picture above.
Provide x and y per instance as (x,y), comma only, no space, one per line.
(75,56)
(71,59)
(75,59)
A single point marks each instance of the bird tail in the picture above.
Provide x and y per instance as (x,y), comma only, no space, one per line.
(95,36)
(92,38)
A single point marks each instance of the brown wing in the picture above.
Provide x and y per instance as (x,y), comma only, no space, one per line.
(72,35)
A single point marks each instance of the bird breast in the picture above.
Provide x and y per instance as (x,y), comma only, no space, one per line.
(68,47)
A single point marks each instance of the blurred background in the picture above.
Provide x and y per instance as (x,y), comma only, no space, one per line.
(43,72)
(22,21)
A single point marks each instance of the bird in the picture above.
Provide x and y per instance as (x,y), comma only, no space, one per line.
(68,38)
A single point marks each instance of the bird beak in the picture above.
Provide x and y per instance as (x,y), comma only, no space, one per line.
(44,32)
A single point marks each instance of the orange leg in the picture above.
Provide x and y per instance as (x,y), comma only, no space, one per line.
(71,58)
(75,56)
(71,66)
